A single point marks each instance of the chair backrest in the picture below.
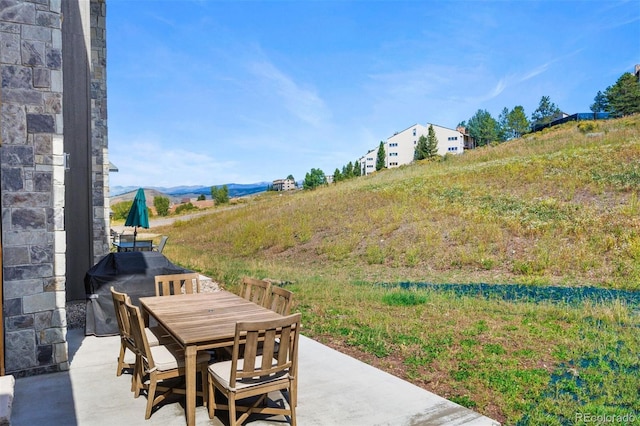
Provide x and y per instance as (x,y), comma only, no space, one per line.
(174,284)
(280,300)
(126,238)
(139,337)
(275,358)
(255,290)
(119,301)
(163,242)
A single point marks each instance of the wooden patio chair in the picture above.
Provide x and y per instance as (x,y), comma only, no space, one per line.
(155,364)
(255,290)
(249,375)
(154,334)
(280,300)
(175,284)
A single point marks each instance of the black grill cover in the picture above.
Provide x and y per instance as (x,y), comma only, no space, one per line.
(128,272)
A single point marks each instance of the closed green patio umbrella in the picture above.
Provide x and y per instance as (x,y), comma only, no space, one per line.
(138,214)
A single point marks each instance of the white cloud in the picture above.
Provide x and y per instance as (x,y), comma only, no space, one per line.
(304,103)
(150,163)
(534,72)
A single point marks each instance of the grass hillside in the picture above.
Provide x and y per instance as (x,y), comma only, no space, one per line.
(559,207)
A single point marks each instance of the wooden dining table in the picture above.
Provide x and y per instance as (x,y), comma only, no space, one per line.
(199,322)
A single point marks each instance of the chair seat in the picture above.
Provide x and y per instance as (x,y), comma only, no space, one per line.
(222,371)
(169,357)
(157,335)
(154,335)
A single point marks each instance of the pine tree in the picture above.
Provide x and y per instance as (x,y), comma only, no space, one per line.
(624,96)
(518,123)
(382,156)
(349,171)
(432,143)
(337,176)
(600,103)
(421,149)
(545,112)
(483,127)
(504,132)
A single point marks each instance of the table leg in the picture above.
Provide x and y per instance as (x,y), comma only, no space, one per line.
(190,383)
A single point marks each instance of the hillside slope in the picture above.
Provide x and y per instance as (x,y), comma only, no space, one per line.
(556,207)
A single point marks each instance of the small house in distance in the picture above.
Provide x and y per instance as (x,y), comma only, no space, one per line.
(284,184)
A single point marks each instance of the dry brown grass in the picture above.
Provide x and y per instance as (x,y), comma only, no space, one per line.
(559,207)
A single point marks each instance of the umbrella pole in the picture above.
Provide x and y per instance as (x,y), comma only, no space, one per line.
(135,233)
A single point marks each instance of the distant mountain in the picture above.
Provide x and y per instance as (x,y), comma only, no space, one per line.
(235,190)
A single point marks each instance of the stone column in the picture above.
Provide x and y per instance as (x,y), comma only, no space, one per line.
(99,139)
(32,186)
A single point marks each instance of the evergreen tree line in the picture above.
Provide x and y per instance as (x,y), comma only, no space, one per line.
(351,170)
(620,99)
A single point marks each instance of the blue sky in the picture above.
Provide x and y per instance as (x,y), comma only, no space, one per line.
(212,92)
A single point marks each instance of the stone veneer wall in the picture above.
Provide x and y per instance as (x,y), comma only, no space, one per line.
(99,140)
(32,183)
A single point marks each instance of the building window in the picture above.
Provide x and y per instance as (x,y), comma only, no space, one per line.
(393,154)
(452,148)
(414,132)
(393,144)
(393,164)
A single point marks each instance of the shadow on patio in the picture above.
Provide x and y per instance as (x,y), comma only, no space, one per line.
(334,389)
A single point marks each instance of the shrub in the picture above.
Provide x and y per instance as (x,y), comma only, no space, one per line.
(375,255)
(587,126)
(162,205)
(120,210)
(185,208)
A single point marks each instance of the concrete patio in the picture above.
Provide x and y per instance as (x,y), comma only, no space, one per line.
(334,389)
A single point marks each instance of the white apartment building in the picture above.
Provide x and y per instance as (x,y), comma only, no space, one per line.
(400,147)
(368,162)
